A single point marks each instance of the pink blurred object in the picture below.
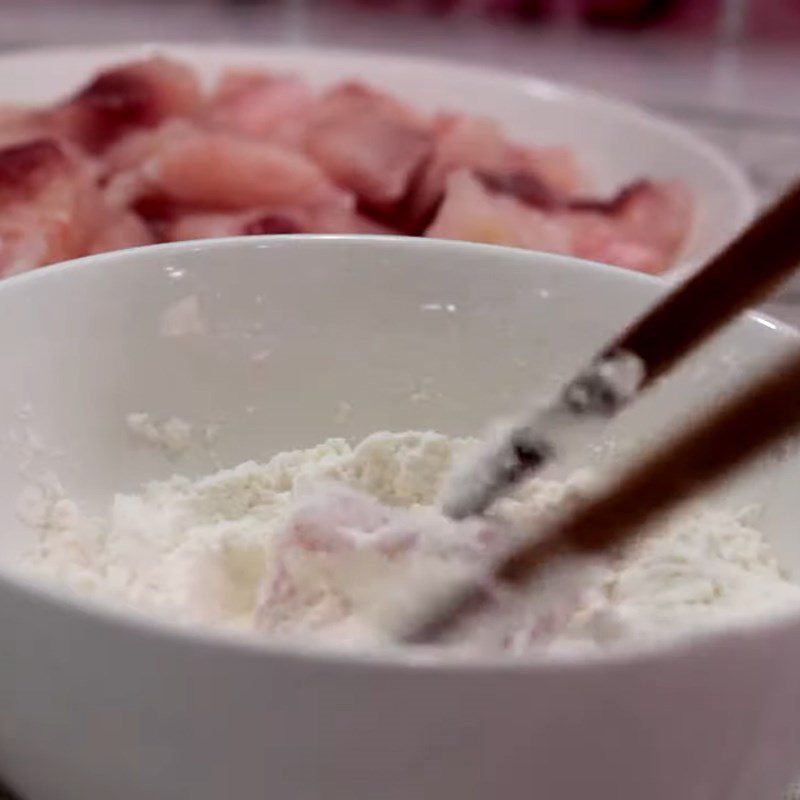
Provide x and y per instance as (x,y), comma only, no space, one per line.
(686,14)
(774,18)
(723,19)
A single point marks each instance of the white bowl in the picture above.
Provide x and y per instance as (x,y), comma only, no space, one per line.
(97,704)
(617,142)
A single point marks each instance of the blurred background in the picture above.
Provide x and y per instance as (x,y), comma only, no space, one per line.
(729,69)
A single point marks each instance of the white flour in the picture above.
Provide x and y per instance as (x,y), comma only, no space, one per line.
(313,542)
(173,435)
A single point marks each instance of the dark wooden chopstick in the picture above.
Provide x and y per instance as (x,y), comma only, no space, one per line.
(757,417)
(742,274)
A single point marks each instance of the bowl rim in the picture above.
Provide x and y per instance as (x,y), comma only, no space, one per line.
(738,184)
(34,588)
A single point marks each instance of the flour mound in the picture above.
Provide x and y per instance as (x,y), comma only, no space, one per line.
(314,543)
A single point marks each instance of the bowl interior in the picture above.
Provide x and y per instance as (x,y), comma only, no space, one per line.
(617,143)
(285,341)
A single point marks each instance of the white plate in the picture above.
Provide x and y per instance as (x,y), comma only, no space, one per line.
(617,142)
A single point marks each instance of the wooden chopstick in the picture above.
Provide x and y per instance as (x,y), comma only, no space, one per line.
(742,274)
(757,417)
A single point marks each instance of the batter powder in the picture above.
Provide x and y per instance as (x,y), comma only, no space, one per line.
(318,543)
